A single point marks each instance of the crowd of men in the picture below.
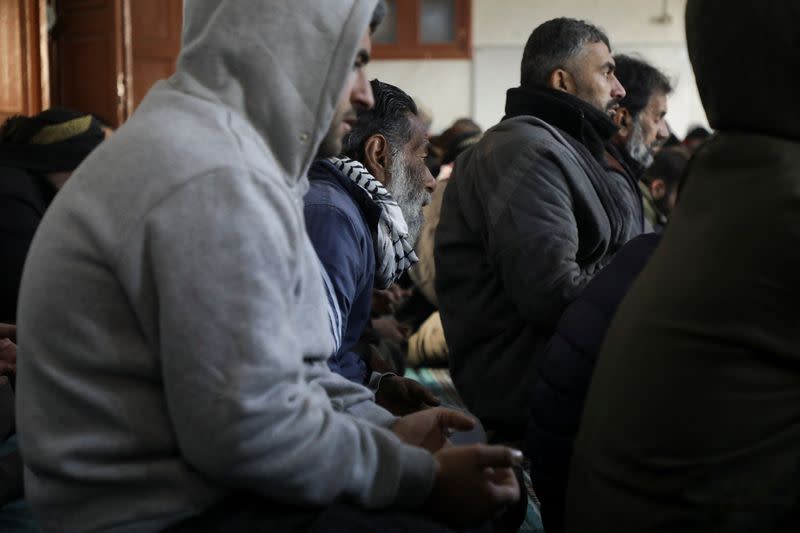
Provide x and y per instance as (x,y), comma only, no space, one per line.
(192,341)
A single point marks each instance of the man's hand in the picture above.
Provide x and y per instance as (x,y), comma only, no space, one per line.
(430,428)
(386,301)
(8,357)
(473,483)
(389,328)
(8,331)
(402,396)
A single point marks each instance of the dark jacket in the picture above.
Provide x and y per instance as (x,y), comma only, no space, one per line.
(340,221)
(530,218)
(24,198)
(692,419)
(627,173)
(564,371)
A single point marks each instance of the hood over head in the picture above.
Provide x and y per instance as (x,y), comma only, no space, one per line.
(281,64)
(745,57)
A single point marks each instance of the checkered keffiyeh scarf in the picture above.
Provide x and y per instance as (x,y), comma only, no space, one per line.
(394,251)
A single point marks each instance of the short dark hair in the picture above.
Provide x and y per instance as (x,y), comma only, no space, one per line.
(641,81)
(698,132)
(377,16)
(553,44)
(668,165)
(389,117)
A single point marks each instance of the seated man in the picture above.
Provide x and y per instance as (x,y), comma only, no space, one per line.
(564,371)
(642,131)
(692,419)
(173,324)
(528,219)
(362,208)
(37,155)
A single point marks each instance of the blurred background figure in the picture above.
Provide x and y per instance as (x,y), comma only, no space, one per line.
(37,156)
(696,136)
(440,144)
(659,185)
(427,344)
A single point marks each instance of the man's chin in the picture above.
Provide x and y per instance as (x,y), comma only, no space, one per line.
(330,147)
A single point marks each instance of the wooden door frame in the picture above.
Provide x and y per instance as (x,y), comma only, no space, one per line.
(32,48)
(38,57)
(125,79)
(122,86)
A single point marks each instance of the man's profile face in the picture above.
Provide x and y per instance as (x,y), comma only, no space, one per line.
(408,178)
(649,130)
(595,81)
(356,94)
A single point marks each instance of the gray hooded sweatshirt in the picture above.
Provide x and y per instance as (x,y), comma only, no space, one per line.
(173,323)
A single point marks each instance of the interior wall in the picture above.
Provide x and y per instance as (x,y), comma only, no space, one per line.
(500,28)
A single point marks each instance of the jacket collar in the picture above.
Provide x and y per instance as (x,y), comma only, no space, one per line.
(584,123)
(324,170)
(620,158)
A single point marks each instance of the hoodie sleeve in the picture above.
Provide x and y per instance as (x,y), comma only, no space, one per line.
(249,409)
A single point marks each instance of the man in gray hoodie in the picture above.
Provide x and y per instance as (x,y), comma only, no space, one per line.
(173,322)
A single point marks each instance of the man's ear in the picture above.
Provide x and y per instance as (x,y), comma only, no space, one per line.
(376,152)
(622,118)
(658,189)
(561,80)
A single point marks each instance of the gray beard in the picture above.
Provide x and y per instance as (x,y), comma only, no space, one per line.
(410,196)
(636,147)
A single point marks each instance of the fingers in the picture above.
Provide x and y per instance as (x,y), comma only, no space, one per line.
(504,488)
(451,418)
(498,456)
(430,399)
(421,393)
(7,368)
(8,331)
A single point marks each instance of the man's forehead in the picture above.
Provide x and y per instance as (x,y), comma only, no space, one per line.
(658,101)
(598,52)
(419,134)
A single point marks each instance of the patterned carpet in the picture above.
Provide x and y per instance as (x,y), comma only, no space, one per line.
(438,380)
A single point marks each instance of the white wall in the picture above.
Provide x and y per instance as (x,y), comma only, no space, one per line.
(441,86)
(451,89)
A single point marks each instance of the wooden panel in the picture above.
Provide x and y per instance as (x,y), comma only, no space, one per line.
(86,69)
(12,67)
(146,72)
(21,81)
(91,58)
(156,27)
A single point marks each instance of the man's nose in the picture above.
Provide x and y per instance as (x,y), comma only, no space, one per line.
(361,96)
(617,90)
(429,181)
(663,131)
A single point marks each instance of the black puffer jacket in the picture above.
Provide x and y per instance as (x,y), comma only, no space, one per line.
(527,221)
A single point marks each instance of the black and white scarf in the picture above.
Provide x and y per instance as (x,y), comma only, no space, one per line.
(394,252)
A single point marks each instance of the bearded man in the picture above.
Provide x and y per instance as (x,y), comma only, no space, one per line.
(642,131)
(363,213)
